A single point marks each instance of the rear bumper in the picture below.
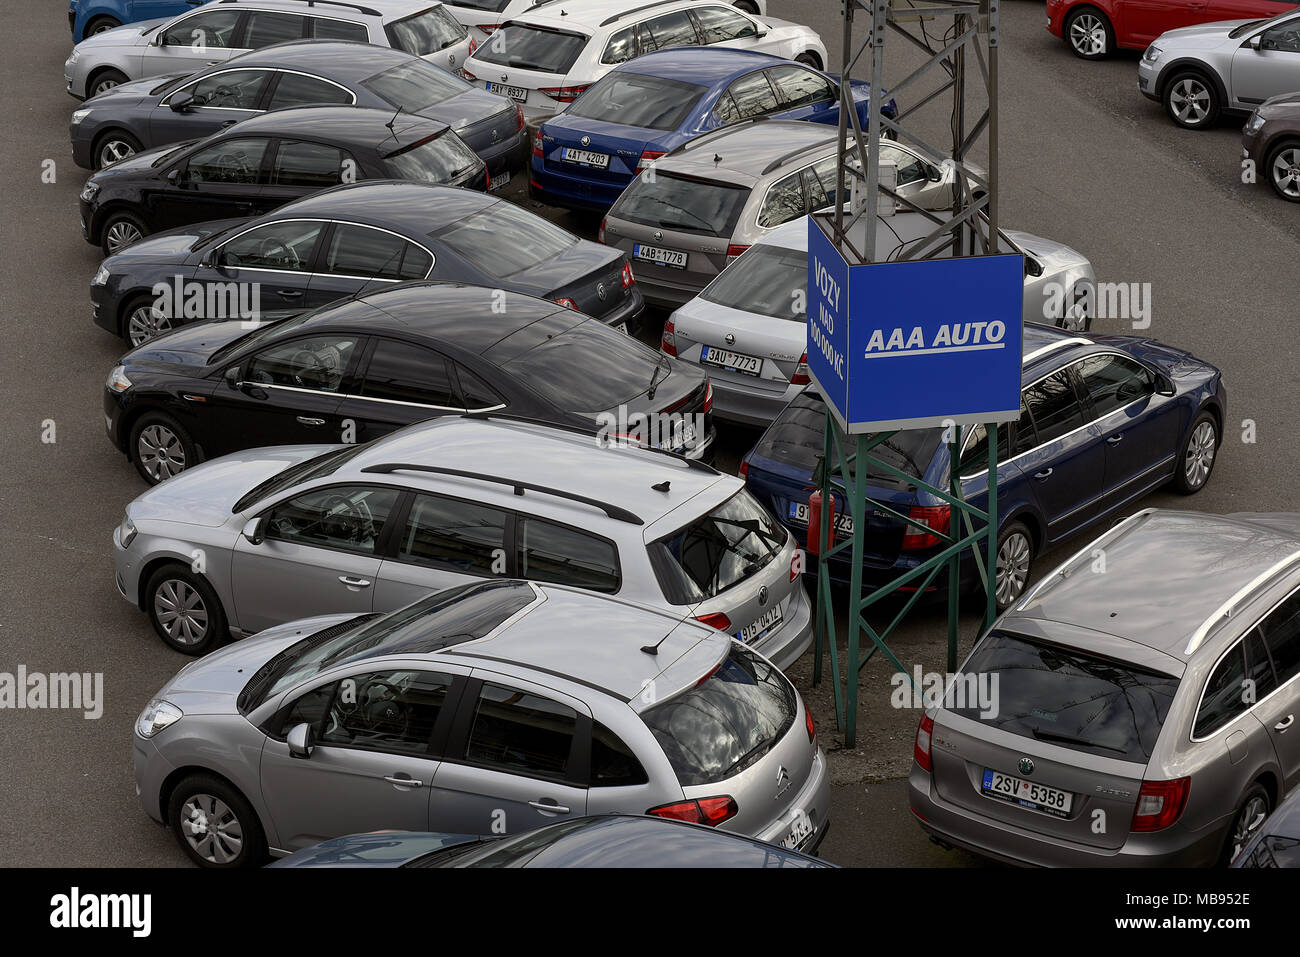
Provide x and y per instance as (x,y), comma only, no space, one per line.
(658,292)
(814,800)
(736,402)
(507,156)
(627,313)
(571,191)
(788,645)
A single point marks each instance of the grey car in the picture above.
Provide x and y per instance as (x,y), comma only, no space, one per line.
(748,329)
(1144,702)
(141,114)
(1230,66)
(496,707)
(706,202)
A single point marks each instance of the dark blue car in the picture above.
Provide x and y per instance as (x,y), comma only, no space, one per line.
(87,17)
(584,157)
(1103,421)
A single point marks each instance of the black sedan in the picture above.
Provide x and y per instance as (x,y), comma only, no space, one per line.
(350,240)
(155,111)
(264,162)
(365,367)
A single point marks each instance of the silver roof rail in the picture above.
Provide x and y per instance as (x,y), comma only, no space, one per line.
(1064,569)
(1225,610)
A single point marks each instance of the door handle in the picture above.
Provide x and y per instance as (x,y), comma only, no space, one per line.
(308,420)
(1115,440)
(403,782)
(1283,725)
(1047,473)
(552,808)
(288,293)
(354,582)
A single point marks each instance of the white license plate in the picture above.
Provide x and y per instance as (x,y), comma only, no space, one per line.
(735,361)
(800,830)
(584,157)
(762,624)
(500,179)
(1036,797)
(659,256)
(517,93)
(843,521)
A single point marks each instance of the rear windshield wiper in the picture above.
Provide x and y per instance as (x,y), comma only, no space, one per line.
(1042,735)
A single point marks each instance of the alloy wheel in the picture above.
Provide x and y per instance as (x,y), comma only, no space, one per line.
(1013,567)
(211,829)
(122,234)
(1190,99)
(1200,454)
(103,85)
(1248,822)
(1286,172)
(113,151)
(146,322)
(1088,35)
(162,454)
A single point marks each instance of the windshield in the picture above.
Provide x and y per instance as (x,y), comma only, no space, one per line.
(1238,32)
(415,86)
(262,332)
(327,463)
(532,48)
(767,281)
(633,99)
(532,239)
(437,159)
(502,851)
(587,369)
(426,32)
(670,201)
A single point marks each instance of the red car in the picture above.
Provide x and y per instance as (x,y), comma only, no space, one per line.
(1094,28)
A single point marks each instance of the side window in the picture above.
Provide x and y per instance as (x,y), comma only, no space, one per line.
(316,363)
(910,168)
(726,110)
(416,263)
(404,373)
(975,457)
(295,89)
(1223,699)
(1259,667)
(230,161)
(265,28)
(566,556)
(1026,437)
(1113,382)
(1281,632)
(323,29)
(477,393)
(752,95)
(784,201)
(1285,38)
(825,173)
(800,86)
(349,518)
(310,708)
(365,252)
(286,247)
(458,536)
(613,764)
(232,90)
(672,30)
(622,47)
(719,24)
(1054,406)
(522,733)
(212,28)
(307,164)
(387,710)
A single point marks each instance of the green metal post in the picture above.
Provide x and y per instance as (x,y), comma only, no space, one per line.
(991,584)
(857,505)
(954,563)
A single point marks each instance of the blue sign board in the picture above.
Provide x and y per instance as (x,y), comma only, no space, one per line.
(916,343)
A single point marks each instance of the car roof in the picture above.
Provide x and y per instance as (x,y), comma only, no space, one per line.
(349,125)
(706,66)
(1169,576)
(337,59)
(337,8)
(420,208)
(748,149)
(591,15)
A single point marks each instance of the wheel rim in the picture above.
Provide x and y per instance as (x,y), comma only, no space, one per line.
(1248,822)
(1286,172)
(211,829)
(161,453)
(104,28)
(1200,454)
(113,151)
(121,234)
(145,323)
(181,611)
(1088,35)
(1013,567)
(1190,100)
(105,84)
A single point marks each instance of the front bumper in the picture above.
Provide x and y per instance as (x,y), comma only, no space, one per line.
(151,771)
(1148,76)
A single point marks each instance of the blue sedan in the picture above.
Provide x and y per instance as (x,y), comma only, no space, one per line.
(584,157)
(87,17)
(1103,421)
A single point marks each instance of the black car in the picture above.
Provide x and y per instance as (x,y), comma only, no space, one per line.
(154,111)
(256,165)
(353,239)
(1276,841)
(362,368)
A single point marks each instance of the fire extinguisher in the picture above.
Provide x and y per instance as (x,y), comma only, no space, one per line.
(815,547)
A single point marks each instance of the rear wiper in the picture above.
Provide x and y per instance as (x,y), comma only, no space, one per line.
(661,363)
(1042,735)
(748,758)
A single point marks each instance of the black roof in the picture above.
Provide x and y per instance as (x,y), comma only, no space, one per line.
(346,125)
(420,209)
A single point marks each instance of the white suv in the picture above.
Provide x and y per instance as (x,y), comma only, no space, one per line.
(484,16)
(547,57)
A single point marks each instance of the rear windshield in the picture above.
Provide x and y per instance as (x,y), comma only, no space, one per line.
(415,85)
(633,99)
(676,202)
(426,32)
(718,550)
(532,48)
(767,281)
(589,368)
(726,723)
(496,6)
(436,160)
(1069,698)
(478,238)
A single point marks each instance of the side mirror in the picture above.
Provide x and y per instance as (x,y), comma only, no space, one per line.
(1253,42)
(174,175)
(159,39)
(300,741)
(255,531)
(233,374)
(1165,385)
(182,102)
(933,174)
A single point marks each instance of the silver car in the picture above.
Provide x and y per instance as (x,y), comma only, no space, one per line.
(1230,66)
(492,708)
(223,29)
(258,538)
(1143,707)
(749,331)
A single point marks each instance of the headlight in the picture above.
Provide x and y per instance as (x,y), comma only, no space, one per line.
(1255,122)
(1152,53)
(79,115)
(156,716)
(89,192)
(117,380)
(126,532)
(101,277)
(74,57)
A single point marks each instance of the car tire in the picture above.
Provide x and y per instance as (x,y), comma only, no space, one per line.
(121,229)
(1015,561)
(184,609)
(808,58)
(747,5)
(1251,812)
(113,146)
(100,25)
(215,825)
(102,80)
(1191,100)
(1285,156)
(142,321)
(1089,34)
(1198,455)
(160,447)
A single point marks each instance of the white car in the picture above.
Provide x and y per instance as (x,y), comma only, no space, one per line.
(546,57)
(484,16)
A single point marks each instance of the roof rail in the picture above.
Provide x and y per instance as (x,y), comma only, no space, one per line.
(627,13)
(798,151)
(1064,569)
(1225,610)
(371,11)
(696,141)
(1052,347)
(613,511)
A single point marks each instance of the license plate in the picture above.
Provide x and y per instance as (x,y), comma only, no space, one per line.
(517,93)
(762,624)
(500,179)
(735,361)
(843,522)
(584,157)
(1036,797)
(659,256)
(800,830)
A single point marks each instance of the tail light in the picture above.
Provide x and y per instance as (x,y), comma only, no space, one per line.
(487,27)
(801,376)
(708,398)
(565,94)
(668,341)
(519,117)
(1160,804)
(488,174)
(717,620)
(735,252)
(796,560)
(647,160)
(600,233)
(933,517)
(921,751)
(808,721)
(628,278)
(710,811)
(567,303)
(537,146)
(744,469)
(473,45)
(467,75)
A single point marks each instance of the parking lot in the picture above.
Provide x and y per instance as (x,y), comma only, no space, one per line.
(1085,160)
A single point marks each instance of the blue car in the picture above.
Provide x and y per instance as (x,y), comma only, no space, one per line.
(1103,421)
(87,17)
(584,157)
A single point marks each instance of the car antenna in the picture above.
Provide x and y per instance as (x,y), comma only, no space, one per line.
(661,486)
(390,123)
(654,649)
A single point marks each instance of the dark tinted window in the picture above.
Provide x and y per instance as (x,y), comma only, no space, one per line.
(478,239)
(532,48)
(388,710)
(318,362)
(230,161)
(721,549)
(476,393)
(211,28)
(349,518)
(1225,694)
(323,29)
(633,99)
(614,368)
(1026,437)
(1259,667)
(751,96)
(295,89)
(406,373)
(415,85)
(1113,382)
(622,47)
(286,246)
(458,536)
(785,200)
(437,159)
(709,207)
(612,762)
(1281,630)
(522,733)
(495,6)
(427,32)
(669,30)
(1069,698)
(725,724)
(1054,406)
(800,86)
(362,251)
(265,28)
(766,280)
(975,458)
(232,90)
(722,23)
(555,553)
(312,165)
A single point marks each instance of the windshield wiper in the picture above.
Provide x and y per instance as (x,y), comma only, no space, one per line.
(1042,735)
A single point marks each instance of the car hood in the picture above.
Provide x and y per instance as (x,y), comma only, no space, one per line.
(128,35)
(205,494)
(131,92)
(1202,35)
(1055,257)
(1282,105)
(376,849)
(190,345)
(137,164)
(169,247)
